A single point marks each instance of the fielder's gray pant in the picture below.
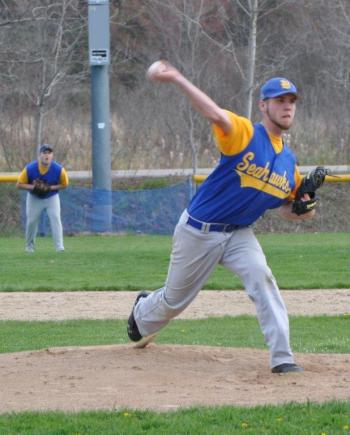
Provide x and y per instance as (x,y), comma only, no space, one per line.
(194,256)
(34,208)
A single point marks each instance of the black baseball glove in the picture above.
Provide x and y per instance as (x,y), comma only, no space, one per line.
(310,183)
(300,206)
(41,188)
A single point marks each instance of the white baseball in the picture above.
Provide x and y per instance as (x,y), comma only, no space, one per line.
(154,68)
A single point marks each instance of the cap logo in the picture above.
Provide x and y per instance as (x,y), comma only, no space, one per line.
(285,84)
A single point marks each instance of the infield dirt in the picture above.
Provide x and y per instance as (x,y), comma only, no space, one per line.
(162,377)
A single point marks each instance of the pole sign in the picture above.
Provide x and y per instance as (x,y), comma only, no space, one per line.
(98,16)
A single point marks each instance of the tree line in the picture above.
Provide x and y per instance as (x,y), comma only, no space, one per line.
(226,47)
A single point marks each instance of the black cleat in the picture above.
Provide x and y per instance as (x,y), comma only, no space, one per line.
(133,330)
(287,368)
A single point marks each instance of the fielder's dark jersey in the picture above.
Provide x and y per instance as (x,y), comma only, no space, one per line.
(43,170)
(52,176)
(256,172)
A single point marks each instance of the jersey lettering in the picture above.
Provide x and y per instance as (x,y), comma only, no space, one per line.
(261,178)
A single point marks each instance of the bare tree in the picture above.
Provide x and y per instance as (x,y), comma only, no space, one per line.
(226,47)
(40,61)
(181,27)
(252,11)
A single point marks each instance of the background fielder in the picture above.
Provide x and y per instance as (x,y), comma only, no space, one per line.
(43,178)
(256,172)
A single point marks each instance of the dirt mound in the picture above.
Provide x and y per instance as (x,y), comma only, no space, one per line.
(162,377)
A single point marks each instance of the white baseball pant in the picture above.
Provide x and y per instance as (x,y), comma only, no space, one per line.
(194,256)
(34,208)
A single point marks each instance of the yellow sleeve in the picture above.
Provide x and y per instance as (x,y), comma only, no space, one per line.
(297,178)
(237,139)
(23,177)
(64,178)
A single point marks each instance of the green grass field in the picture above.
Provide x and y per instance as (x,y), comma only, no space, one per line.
(292,419)
(134,262)
(299,261)
(321,334)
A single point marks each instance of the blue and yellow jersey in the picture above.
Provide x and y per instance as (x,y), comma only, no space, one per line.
(256,172)
(53,174)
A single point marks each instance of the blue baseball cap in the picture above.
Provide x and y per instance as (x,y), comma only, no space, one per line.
(46,147)
(277,86)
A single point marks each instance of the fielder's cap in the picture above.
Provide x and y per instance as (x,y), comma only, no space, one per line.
(277,86)
(46,147)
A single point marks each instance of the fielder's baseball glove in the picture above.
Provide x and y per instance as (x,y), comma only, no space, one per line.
(41,188)
(310,183)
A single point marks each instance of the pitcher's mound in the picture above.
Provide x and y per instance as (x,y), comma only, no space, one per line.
(163,377)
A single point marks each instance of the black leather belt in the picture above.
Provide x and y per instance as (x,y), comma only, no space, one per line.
(207,227)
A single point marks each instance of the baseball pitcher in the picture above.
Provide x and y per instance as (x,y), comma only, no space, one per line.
(256,172)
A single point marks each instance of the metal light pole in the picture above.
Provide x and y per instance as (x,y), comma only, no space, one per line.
(99,59)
